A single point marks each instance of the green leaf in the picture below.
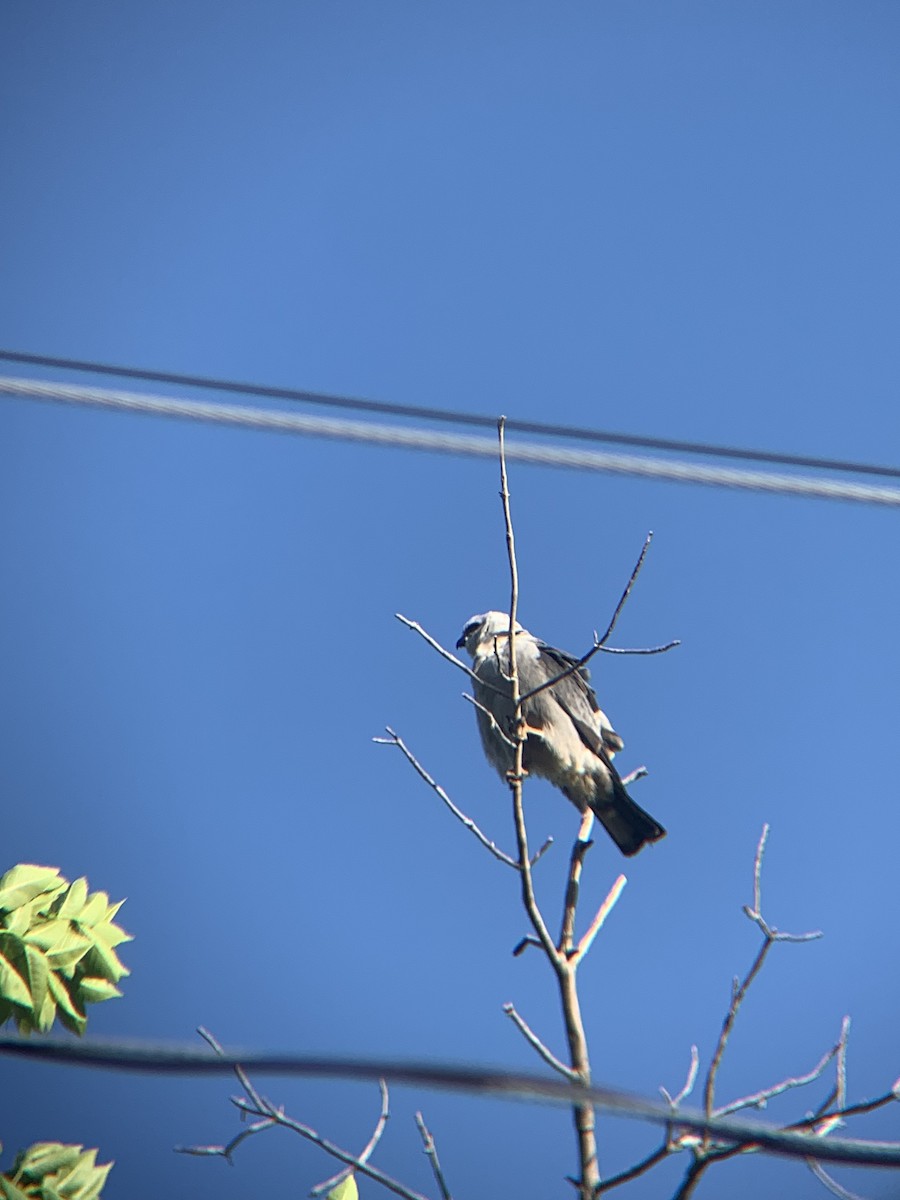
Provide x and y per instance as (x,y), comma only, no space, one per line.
(111,934)
(94,910)
(25,881)
(9,1191)
(74,900)
(43,1019)
(92,990)
(20,919)
(50,933)
(70,1016)
(68,950)
(345,1190)
(12,946)
(12,985)
(93,1189)
(45,1157)
(105,963)
(38,975)
(72,1182)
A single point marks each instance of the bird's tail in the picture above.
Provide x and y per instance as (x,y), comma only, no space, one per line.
(626,822)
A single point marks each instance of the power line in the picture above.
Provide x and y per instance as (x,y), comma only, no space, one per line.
(186,1060)
(453,443)
(451,416)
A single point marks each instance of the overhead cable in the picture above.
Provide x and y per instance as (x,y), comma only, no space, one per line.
(452,443)
(451,416)
(514,1085)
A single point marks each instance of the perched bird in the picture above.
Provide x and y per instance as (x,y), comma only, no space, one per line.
(569,740)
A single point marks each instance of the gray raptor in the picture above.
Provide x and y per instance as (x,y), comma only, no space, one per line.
(569,741)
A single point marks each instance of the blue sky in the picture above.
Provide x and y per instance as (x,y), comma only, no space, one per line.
(667,219)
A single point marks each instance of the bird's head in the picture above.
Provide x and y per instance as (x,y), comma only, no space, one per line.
(482,628)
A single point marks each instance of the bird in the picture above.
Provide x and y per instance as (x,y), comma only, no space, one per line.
(569,739)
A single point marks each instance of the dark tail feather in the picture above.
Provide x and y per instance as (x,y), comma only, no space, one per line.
(626,822)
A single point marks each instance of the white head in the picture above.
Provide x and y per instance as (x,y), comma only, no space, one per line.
(483,627)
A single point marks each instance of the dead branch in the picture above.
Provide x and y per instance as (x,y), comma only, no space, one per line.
(394,739)
(533,1040)
(257,1106)
(431,1150)
(584,1119)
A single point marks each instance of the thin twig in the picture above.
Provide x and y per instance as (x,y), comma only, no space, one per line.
(436,645)
(242,1076)
(257,1106)
(394,740)
(691,1078)
(583,1113)
(533,1040)
(523,944)
(364,1168)
(738,993)
(832,1184)
(852,1110)
(637,1170)
(740,989)
(328,1184)
(631,582)
(580,847)
(600,643)
(675,642)
(678,1138)
(634,776)
(494,723)
(597,924)
(761,1098)
(513,572)
(431,1151)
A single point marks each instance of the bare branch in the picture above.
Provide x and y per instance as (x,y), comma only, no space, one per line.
(492,719)
(636,649)
(539,854)
(689,1082)
(431,1151)
(513,565)
(634,776)
(533,1040)
(580,847)
(364,1168)
(636,1171)
(631,582)
(832,1184)
(761,1098)
(528,940)
(851,1110)
(436,645)
(755,913)
(602,913)
(257,1106)
(740,989)
(583,1113)
(394,740)
(242,1078)
(328,1184)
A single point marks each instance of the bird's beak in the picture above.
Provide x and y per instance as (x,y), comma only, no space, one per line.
(461,643)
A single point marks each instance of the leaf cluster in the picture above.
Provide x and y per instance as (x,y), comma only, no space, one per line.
(57,949)
(53,1171)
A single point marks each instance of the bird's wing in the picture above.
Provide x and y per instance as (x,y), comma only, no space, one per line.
(576,698)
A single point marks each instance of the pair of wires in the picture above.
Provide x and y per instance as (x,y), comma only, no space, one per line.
(423,439)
